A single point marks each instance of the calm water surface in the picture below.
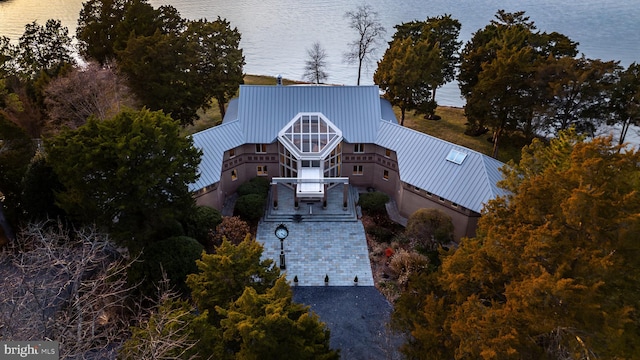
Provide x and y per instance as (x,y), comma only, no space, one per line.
(276,33)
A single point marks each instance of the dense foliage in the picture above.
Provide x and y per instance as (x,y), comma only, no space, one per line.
(172,259)
(429,229)
(422,56)
(16,151)
(373,203)
(244,311)
(553,270)
(171,64)
(128,174)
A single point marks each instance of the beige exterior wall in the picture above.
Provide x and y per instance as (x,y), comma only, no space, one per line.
(464,220)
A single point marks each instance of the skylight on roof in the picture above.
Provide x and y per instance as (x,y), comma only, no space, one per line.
(456,157)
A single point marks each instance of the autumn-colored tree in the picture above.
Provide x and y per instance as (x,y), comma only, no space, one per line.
(243,310)
(553,271)
(232,228)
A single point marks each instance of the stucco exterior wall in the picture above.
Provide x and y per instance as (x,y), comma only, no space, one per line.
(464,220)
(379,170)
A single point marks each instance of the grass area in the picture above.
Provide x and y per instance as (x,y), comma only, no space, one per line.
(450,128)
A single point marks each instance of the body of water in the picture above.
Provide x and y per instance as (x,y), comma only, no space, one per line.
(277,33)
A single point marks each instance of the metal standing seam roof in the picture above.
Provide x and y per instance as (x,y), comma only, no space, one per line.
(422,163)
(265,110)
(214,142)
(262,111)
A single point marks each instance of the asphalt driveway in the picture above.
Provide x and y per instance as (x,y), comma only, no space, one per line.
(357,317)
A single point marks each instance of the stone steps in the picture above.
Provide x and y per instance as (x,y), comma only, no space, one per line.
(312,211)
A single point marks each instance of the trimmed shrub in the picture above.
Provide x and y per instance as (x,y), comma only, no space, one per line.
(250,207)
(203,223)
(373,203)
(258,185)
(429,228)
(380,234)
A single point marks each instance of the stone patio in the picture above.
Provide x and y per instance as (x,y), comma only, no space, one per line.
(322,241)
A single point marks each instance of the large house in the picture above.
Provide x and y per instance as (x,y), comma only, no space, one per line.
(312,138)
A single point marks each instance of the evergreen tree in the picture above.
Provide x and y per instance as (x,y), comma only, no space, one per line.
(553,271)
(272,326)
(129,174)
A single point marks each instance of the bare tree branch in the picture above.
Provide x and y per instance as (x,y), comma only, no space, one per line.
(316,64)
(65,286)
(370,32)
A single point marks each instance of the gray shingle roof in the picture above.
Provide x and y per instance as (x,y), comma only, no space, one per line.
(261,111)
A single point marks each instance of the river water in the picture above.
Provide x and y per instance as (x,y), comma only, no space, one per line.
(276,33)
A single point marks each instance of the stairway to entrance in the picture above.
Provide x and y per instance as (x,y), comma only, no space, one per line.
(311,209)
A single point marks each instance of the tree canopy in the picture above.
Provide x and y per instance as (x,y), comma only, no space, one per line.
(129,173)
(421,57)
(243,310)
(625,100)
(45,49)
(404,74)
(498,70)
(172,64)
(552,272)
(16,151)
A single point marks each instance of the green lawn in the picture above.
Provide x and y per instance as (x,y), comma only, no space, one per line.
(450,128)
